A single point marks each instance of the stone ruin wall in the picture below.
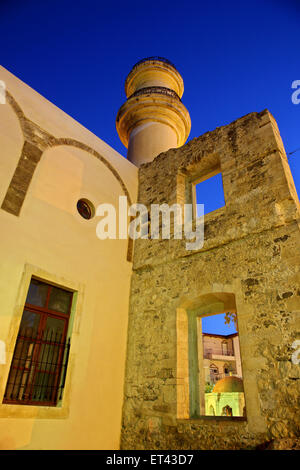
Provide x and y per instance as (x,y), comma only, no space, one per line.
(251,250)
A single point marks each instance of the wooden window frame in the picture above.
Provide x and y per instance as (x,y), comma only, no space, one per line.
(44,312)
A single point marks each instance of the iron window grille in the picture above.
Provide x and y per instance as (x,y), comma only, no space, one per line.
(39,365)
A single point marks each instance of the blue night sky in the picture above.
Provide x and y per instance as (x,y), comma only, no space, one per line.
(216,324)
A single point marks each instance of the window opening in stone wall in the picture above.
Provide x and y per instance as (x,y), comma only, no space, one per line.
(221,390)
(39,364)
(210,193)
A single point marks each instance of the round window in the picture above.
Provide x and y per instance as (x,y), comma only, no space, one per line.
(85,208)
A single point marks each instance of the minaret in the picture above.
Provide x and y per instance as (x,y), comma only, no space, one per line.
(153,119)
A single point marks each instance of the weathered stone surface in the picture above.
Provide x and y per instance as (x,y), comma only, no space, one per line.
(249,250)
(284,444)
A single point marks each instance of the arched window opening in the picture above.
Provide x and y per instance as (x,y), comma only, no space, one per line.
(209,359)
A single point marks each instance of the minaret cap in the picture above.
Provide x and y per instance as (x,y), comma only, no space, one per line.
(153,119)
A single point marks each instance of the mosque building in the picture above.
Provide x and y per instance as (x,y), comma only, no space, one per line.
(101,336)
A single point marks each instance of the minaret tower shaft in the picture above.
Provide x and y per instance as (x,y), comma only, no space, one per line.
(153,119)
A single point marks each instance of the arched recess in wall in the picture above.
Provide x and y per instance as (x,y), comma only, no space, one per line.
(30,156)
(91,151)
(187,346)
(227,368)
(214,370)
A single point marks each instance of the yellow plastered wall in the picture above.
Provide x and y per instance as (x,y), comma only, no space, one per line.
(50,240)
